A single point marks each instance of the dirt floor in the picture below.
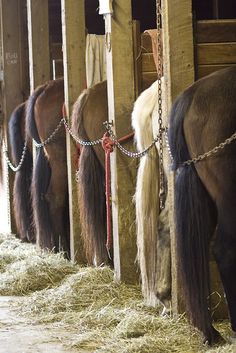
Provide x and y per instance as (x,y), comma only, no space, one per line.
(19,336)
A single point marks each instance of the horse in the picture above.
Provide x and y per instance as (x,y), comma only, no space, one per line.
(152,226)
(49,187)
(201,137)
(21,187)
(89,113)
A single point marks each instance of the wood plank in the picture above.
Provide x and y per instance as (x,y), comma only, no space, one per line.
(14,89)
(38,40)
(204,70)
(148,64)
(215,31)
(178,51)
(73,38)
(216,53)
(121,96)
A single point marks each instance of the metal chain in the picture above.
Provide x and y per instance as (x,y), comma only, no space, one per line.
(211,152)
(8,198)
(81,142)
(50,138)
(160,120)
(9,163)
(128,153)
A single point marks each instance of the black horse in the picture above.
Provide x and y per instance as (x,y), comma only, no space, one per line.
(204,117)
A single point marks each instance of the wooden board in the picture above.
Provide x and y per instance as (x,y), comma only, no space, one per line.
(216,53)
(178,53)
(121,96)
(204,70)
(215,31)
(38,40)
(73,37)
(14,89)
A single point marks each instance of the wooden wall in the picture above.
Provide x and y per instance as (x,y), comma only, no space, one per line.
(215,45)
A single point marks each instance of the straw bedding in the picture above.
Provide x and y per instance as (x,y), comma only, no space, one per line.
(102,316)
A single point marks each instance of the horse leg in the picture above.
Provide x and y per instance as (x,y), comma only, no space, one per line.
(225,255)
(58,205)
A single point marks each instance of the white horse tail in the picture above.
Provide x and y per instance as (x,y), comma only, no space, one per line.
(147,193)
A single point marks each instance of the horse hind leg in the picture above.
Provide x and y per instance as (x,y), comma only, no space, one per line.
(57,198)
(225,254)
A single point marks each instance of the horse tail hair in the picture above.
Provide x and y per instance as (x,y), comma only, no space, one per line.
(147,196)
(40,180)
(21,189)
(194,222)
(91,192)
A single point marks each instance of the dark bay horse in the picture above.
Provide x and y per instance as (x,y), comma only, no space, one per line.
(22,180)
(203,117)
(89,113)
(49,181)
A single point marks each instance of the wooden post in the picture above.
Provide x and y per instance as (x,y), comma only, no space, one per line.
(14,87)
(179,74)
(73,38)
(38,38)
(121,96)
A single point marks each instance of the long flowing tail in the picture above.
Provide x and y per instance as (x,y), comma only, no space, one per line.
(195,222)
(91,192)
(40,180)
(153,247)
(21,189)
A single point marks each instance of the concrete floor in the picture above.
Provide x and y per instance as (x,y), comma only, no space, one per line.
(18,336)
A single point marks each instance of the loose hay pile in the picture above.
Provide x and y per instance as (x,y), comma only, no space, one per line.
(25,269)
(101,315)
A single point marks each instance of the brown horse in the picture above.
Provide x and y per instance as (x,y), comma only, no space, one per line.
(203,117)
(89,113)
(49,182)
(22,181)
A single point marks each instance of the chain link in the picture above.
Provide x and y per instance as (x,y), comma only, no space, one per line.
(9,163)
(81,142)
(128,153)
(211,152)
(50,138)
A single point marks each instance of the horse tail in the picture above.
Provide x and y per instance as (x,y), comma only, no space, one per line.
(41,178)
(91,194)
(194,222)
(147,196)
(21,189)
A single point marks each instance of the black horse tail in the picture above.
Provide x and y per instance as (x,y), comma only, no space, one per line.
(21,189)
(91,192)
(40,180)
(194,223)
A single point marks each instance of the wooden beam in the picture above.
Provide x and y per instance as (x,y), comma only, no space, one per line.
(73,38)
(14,84)
(178,60)
(121,96)
(215,31)
(38,39)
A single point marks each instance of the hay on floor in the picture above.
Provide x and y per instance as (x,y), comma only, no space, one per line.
(101,315)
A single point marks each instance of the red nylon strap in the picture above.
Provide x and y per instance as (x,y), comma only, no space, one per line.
(107,145)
